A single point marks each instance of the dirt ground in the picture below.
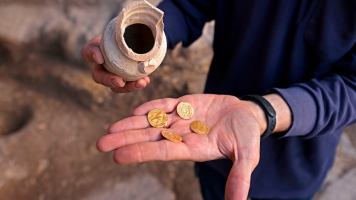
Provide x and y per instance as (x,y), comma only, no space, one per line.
(49,149)
(52,113)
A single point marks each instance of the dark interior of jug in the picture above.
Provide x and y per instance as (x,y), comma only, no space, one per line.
(139,38)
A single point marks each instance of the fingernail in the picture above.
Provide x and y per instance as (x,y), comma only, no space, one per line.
(138,85)
(96,58)
(115,83)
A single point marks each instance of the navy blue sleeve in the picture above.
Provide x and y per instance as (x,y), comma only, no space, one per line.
(184,20)
(323,105)
(327,103)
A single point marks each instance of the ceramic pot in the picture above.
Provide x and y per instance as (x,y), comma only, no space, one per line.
(134,44)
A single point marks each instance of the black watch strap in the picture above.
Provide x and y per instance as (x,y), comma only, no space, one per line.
(269,111)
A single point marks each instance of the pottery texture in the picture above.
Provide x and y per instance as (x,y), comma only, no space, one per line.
(134,43)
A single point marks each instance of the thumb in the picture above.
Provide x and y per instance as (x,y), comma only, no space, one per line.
(238,182)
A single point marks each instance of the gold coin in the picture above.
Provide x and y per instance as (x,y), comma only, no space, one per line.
(200,127)
(172,136)
(185,110)
(157,118)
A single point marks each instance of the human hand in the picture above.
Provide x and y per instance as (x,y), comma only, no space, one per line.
(92,53)
(234,134)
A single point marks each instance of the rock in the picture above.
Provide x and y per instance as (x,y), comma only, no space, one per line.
(16,172)
(343,188)
(49,29)
(22,25)
(64,79)
(136,188)
(345,159)
(42,166)
(13,118)
(351,132)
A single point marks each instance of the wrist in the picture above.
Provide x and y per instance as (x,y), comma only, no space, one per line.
(259,113)
(283,113)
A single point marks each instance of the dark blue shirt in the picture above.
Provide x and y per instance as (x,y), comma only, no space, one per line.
(302,49)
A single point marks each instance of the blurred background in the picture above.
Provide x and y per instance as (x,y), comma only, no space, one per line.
(52,113)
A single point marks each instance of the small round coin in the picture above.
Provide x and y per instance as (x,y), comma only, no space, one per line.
(172,136)
(157,118)
(185,110)
(199,127)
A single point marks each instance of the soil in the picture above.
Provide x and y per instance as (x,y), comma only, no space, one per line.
(52,112)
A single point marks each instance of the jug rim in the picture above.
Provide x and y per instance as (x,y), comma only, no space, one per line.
(150,13)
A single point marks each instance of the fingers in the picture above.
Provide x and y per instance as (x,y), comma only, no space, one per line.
(116,83)
(133,86)
(136,123)
(238,182)
(133,130)
(101,76)
(91,51)
(168,105)
(130,123)
(162,150)
(124,138)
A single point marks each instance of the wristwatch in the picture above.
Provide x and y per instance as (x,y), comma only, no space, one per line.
(269,111)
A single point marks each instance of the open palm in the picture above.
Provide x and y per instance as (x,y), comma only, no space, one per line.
(234,134)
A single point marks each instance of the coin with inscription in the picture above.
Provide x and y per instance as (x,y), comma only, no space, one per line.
(157,118)
(185,110)
(200,127)
(172,136)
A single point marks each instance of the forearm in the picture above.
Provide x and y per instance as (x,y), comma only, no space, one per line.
(319,106)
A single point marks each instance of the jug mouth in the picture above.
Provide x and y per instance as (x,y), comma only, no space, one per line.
(139,30)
